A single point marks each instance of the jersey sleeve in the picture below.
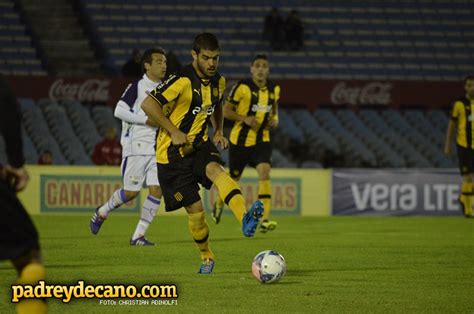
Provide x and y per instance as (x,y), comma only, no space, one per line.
(169,90)
(235,94)
(456,110)
(130,95)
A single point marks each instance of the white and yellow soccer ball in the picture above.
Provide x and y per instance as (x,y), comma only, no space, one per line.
(269,266)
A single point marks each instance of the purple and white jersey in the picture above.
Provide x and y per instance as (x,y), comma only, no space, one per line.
(138,138)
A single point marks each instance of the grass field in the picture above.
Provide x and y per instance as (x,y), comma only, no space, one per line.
(342,264)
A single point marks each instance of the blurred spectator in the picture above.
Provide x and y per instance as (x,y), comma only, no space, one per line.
(133,68)
(274,29)
(108,151)
(294,31)
(46,158)
(172,63)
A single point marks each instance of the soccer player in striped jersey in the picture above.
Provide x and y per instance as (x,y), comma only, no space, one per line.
(138,149)
(183,106)
(253,106)
(462,118)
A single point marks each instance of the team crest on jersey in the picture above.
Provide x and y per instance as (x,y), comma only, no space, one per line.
(272,96)
(215,92)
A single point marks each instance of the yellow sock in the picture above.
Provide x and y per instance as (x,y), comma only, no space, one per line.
(31,274)
(200,231)
(229,191)
(465,198)
(265,195)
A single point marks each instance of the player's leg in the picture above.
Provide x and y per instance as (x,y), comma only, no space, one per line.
(466,195)
(131,188)
(238,159)
(230,192)
(465,165)
(150,204)
(147,214)
(19,243)
(199,230)
(30,270)
(265,196)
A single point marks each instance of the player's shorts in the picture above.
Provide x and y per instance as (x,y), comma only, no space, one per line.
(137,170)
(466,160)
(180,179)
(241,156)
(18,235)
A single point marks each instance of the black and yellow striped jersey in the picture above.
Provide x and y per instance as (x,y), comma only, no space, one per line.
(463,113)
(251,100)
(188,102)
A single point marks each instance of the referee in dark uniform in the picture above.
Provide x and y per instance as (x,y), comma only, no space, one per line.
(18,236)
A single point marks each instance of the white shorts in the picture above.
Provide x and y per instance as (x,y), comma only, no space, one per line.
(137,170)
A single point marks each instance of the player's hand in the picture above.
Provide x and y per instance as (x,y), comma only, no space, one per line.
(17,177)
(251,122)
(273,123)
(179,138)
(447,149)
(219,139)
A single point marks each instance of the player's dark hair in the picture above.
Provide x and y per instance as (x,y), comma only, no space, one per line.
(258,57)
(205,41)
(147,56)
(468,78)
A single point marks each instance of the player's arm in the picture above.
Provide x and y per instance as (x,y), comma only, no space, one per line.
(273,123)
(160,96)
(122,112)
(217,120)
(10,128)
(451,126)
(231,104)
(154,110)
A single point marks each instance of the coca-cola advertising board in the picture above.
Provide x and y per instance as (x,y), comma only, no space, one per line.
(310,93)
(87,90)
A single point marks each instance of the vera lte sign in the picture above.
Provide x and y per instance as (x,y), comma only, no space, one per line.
(395,192)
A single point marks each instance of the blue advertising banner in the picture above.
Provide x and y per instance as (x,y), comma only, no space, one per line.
(430,192)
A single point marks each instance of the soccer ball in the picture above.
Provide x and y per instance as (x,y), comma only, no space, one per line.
(268,266)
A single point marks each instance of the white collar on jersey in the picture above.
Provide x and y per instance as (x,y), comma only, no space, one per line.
(149,82)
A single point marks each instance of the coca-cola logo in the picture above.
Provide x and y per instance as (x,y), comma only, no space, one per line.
(89,90)
(373,93)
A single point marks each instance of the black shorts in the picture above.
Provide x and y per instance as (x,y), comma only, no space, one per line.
(18,235)
(241,156)
(466,160)
(179,179)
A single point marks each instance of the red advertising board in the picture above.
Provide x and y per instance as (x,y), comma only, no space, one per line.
(310,93)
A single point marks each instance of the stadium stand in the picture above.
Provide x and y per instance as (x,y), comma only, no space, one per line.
(419,40)
(325,138)
(17,54)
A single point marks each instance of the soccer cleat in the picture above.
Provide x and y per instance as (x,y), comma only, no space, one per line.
(207,266)
(216,213)
(267,225)
(141,241)
(251,219)
(96,222)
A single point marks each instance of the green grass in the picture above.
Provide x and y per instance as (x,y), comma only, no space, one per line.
(344,264)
